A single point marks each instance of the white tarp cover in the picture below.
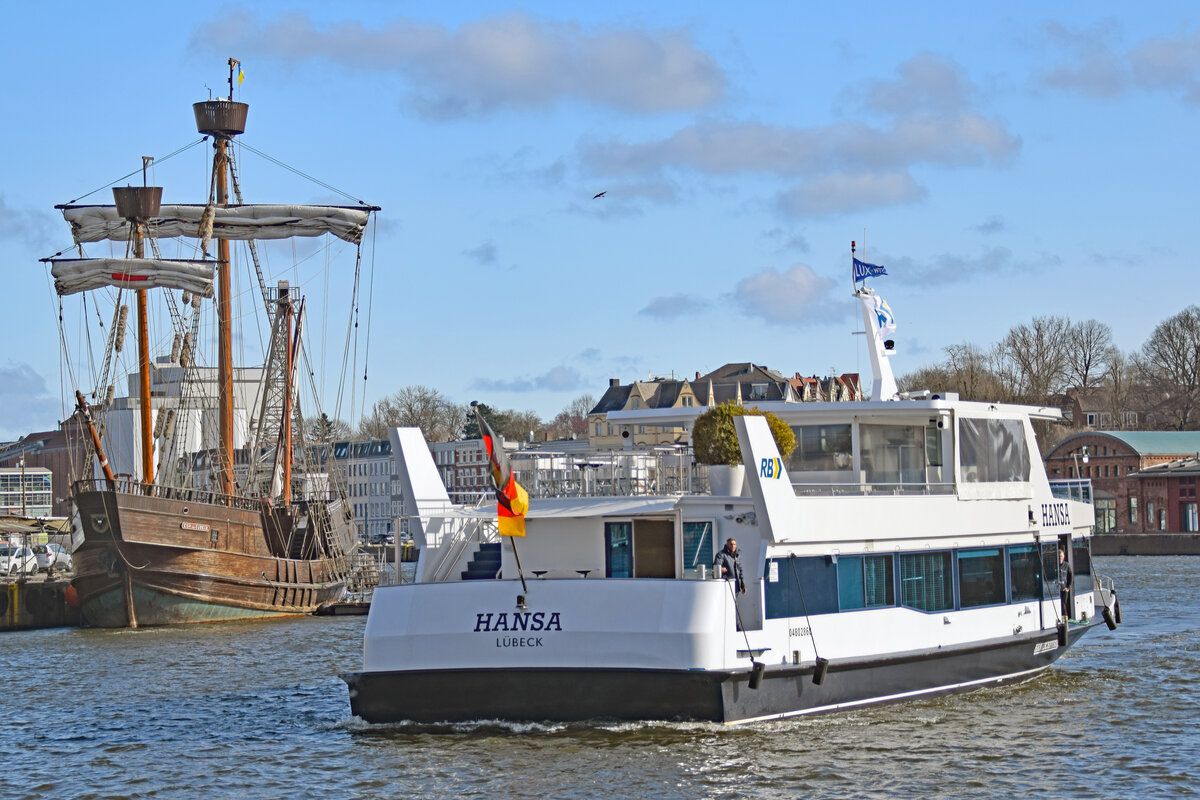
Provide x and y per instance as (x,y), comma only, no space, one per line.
(98,223)
(73,275)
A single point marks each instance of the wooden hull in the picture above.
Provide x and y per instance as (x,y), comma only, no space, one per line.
(151,560)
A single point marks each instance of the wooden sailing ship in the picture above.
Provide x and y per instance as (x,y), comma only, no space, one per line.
(166,551)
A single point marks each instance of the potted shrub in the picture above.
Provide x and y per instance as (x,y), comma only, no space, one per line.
(715,443)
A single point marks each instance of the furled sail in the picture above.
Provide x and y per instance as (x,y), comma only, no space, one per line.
(72,275)
(98,223)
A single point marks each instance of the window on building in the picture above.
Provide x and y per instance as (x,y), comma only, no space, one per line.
(758,391)
(1150,514)
(1187,517)
(1162,519)
(926,581)
(1091,420)
(1106,514)
(1133,511)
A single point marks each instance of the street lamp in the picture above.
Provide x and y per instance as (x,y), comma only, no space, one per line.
(21,464)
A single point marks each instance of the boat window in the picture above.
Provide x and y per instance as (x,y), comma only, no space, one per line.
(804,586)
(618,549)
(1049,569)
(697,547)
(980,577)
(992,450)
(1083,561)
(892,453)
(1025,575)
(865,582)
(926,581)
(820,448)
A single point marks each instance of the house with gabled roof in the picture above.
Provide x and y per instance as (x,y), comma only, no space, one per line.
(653,393)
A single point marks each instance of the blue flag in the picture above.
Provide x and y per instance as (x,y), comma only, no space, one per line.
(864,270)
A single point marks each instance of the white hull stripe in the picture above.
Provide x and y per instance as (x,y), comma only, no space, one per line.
(891,697)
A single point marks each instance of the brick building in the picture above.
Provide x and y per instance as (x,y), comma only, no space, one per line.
(1129,496)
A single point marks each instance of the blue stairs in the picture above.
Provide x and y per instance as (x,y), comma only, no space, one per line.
(485,564)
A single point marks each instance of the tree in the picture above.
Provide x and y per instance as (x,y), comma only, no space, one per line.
(1089,351)
(413,406)
(325,429)
(715,441)
(572,420)
(515,426)
(1031,359)
(1169,365)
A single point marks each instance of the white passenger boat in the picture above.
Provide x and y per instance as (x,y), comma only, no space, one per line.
(909,547)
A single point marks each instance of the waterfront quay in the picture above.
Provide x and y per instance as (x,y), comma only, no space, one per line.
(36,602)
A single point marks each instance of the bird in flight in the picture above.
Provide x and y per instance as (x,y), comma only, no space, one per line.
(599,195)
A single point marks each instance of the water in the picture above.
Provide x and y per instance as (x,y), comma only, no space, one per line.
(257,710)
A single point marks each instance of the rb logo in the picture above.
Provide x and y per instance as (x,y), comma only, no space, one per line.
(770,468)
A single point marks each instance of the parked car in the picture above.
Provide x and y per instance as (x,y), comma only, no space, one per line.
(17,560)
(383,538)
(53,556)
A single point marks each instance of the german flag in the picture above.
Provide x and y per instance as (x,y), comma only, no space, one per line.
(512,501)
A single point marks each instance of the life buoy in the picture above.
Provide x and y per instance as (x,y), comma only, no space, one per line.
(71,597)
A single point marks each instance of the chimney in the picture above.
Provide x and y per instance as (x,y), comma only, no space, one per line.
(614,382)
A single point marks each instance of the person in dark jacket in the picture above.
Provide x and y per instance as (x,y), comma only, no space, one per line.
(728,565)
(1066,576)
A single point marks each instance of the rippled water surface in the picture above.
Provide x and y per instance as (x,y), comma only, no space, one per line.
(257,710)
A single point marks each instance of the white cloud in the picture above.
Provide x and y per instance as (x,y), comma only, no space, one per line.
(27,405)
(515,61)
(1093,68)
(993,224)
(796,297)
(830,195)
(1170,63)
(556,379)
(949,268)
(484,253)
(926,83)
(673,306)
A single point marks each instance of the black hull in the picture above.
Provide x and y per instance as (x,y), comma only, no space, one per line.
(576,694)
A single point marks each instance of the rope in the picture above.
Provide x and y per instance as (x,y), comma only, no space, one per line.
(304,175)
(137,171)
(796,579)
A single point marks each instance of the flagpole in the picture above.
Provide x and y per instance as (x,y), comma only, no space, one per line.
(520,572)
(493,468)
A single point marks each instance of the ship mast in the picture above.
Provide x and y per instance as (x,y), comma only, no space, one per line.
(139,204)
(223,119)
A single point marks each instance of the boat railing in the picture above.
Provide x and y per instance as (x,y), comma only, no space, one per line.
(1072,489)
(871,489)
(181,493)
(1104,586)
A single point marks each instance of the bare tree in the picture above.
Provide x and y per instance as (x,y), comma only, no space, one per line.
(1089,348)
(414,406)
(1169,365)
(1031,360)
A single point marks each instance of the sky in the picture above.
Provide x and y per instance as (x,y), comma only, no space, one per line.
(1002,161)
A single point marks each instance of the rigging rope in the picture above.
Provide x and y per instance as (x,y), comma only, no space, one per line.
(138,170)
(304,175)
